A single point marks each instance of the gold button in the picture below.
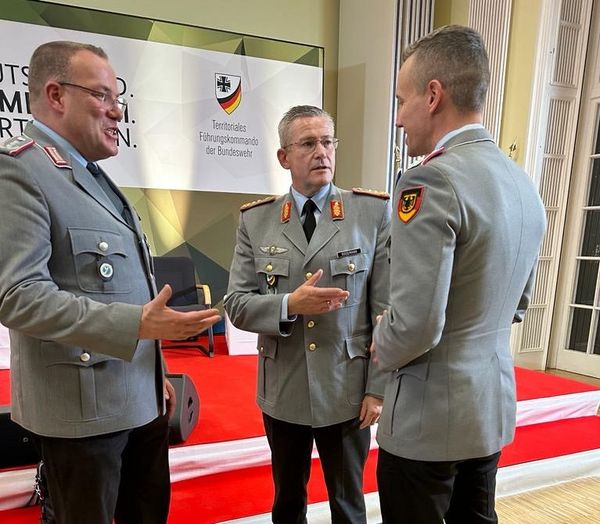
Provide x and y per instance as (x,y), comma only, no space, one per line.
(85,357)
(269,268)
(308,275)
(351,267)
(311,323)
(312,346)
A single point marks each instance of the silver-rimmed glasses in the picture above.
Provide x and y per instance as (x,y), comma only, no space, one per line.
(103,97)
(310,144)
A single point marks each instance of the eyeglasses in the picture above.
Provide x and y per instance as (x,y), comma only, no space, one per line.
(310,144)
(105,98)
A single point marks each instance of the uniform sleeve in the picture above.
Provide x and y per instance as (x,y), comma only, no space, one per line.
(247,308)
(379,294)
(30,301)
(422,256)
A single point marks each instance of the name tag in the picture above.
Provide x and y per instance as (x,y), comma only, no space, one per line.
(348,252)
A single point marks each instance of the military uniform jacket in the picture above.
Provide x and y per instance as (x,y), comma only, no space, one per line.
(466,233)
(77,367)
(314,371)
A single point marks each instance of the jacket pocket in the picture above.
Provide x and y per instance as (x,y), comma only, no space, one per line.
(273,274)
(407,388)
(268,378)
(100,261)
(83,385)
(350,273)
(357,367)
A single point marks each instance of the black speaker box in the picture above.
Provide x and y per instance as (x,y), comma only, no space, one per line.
(16,445)
(185,418)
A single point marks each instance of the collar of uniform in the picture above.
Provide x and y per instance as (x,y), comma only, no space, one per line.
(318,198)
(61,142)
(455,132)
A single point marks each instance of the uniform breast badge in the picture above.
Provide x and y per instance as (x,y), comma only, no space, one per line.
(271,279)
(410,203)
(105,269)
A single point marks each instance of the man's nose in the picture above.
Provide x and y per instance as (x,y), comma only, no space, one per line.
(116,113)
(320,149)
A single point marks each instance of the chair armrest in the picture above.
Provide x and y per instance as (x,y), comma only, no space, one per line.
(206,293)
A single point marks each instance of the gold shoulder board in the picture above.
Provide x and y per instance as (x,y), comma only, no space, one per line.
(255,203)
(371,192)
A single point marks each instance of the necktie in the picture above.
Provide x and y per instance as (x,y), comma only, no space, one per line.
(309,220)
(116,200)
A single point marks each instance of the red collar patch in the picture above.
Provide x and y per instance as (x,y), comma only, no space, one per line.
(433,154)
(337,209)
(286,211)
(55,156)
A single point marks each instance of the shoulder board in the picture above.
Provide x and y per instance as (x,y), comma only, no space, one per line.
(255,203)
(15,145)
(433,154)
(371,192)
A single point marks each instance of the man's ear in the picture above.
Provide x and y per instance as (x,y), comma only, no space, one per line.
(435,94)
(282,157)
(53,94)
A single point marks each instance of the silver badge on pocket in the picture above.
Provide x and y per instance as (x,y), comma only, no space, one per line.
(105,270)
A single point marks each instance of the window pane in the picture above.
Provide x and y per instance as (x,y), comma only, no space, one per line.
(586,282)
(580,329)
(594,196)
(591,235)
(596,348)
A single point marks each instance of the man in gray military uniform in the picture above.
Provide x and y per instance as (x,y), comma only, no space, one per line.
(78,295)
(465,238)
(310,275)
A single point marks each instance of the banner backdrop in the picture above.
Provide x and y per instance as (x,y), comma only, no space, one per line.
(199,117)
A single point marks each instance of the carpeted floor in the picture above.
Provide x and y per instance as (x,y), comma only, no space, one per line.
(228,414)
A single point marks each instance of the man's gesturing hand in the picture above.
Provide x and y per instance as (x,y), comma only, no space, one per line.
(307,299)
(160,321)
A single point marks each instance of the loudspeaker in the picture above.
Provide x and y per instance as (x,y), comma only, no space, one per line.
(185,418)
(16,444)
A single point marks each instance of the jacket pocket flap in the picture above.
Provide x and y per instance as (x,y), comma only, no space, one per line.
(418,370)
(96,241)
(358,346)
(267,347)
(272,266)
(349,265)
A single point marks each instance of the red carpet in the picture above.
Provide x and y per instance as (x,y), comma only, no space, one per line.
(533,384)
(228,412)
(224,496)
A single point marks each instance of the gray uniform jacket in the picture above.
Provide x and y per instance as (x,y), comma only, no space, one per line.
(77,367)
(314,371)
(462,271)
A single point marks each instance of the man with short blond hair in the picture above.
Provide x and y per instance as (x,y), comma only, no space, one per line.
(467,228)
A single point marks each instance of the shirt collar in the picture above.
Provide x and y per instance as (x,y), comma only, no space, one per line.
(318,198)
(452,134)
(61,142)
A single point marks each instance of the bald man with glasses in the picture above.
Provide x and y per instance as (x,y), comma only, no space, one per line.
(310,275)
